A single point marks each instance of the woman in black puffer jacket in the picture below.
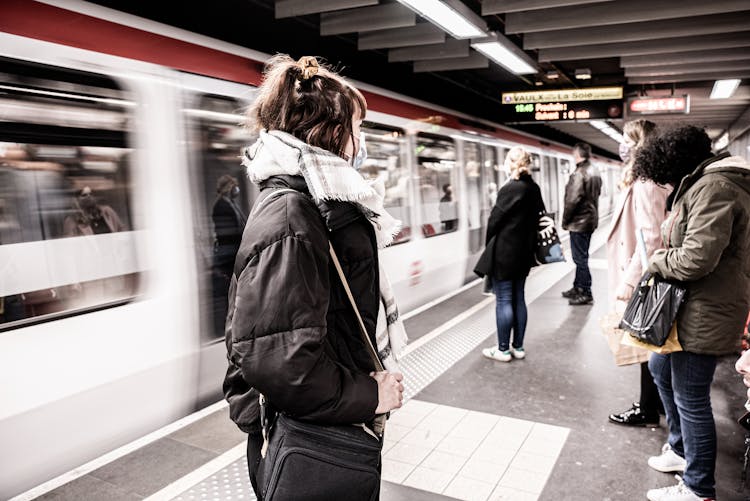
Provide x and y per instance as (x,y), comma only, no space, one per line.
(291,332)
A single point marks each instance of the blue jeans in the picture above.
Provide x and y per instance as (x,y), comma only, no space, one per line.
(510,312)
(579,247)
(684,382)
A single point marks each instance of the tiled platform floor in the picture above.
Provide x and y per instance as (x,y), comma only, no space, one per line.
(469,455)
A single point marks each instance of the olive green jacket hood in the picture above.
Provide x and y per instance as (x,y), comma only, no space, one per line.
(707,246)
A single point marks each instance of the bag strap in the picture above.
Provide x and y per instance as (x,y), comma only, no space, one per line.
(379,422)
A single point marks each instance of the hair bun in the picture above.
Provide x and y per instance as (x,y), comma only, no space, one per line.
(309,67)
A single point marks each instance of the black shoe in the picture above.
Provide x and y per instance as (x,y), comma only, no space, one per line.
(571,292)
(581,299)
(634,417)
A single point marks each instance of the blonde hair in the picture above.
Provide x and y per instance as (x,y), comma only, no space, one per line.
(307,100)
(517,162)
(638,131)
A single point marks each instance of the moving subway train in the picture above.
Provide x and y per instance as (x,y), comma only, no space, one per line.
(111,326)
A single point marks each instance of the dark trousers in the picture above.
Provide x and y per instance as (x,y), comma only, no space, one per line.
(579,246)
(650,401)
(254,444)
(684,381)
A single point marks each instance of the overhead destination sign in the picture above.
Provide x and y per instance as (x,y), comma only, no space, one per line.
(561,111)
(654,105)
(553,96)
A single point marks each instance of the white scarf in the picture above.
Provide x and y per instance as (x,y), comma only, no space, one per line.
(330,177)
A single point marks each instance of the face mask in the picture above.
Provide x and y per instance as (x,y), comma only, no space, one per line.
(235,192)
(359,160)
(625,152)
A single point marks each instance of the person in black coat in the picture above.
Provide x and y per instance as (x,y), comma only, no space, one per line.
(511,242)
(291,332)
(229,221)
(581,218)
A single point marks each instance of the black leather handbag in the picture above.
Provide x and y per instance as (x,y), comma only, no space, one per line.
(312,462)
(653,309)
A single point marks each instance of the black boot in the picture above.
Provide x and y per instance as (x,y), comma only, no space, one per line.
(571,292)
(581,298)
(634,417)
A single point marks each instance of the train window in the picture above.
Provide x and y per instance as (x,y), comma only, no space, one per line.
(386,160)
(536,168)
(474,191)
(225,196)
(436,160)
(66,239)
(502,175)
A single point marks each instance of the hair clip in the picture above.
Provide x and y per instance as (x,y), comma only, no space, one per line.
(309,67)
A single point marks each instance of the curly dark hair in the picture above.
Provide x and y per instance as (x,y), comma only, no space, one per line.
(672,154)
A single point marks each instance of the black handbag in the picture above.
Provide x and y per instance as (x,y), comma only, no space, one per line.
(307,461)
(548,246)
(653,309)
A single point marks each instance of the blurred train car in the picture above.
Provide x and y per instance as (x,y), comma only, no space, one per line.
(111,328)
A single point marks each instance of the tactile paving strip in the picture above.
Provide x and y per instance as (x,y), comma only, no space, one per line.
(425,364)
(229,483)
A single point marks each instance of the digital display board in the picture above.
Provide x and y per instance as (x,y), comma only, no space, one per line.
(561,111)
(562,95)
(653,105)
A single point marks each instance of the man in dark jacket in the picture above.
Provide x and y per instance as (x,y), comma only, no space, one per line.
(580,218)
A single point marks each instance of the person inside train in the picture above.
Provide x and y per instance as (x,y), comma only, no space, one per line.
(91,217)
(707,239)
(509,253)
(581,218)
(641,208)
(448,209)
(229,221)
(292,334)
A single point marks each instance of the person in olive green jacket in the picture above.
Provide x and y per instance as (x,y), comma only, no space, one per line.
(707,244)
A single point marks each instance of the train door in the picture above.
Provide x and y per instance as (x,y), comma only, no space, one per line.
(550,190)
(474,195)
(222,197)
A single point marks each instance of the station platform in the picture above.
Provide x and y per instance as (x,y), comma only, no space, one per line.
(471,428)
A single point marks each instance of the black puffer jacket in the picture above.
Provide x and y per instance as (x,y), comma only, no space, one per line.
(291,332)
(582,192)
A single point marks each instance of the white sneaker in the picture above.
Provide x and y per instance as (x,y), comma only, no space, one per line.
(495,354)
(518,353)
(668,462)
(679,492)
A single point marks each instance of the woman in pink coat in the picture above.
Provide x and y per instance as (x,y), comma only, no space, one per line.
(641,207)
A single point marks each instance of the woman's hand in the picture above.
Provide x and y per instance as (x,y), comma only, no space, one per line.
(390,390)
(624,292)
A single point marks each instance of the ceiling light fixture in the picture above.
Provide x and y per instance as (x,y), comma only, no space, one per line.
(724,89)
(552,75)
(505,53)
(450,15)
(583,74)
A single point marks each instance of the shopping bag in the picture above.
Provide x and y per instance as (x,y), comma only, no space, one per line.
(671,344)
(652,310)
(548,246)
(623,354)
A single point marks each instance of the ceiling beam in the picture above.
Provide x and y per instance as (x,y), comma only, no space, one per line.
(379,17)
(421,34)
(449,49)
(633,32)
(695,77)
(693,56)
(294,8)
(687,69)
(705,42)
(490,7)
(474,61)
(631,11)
